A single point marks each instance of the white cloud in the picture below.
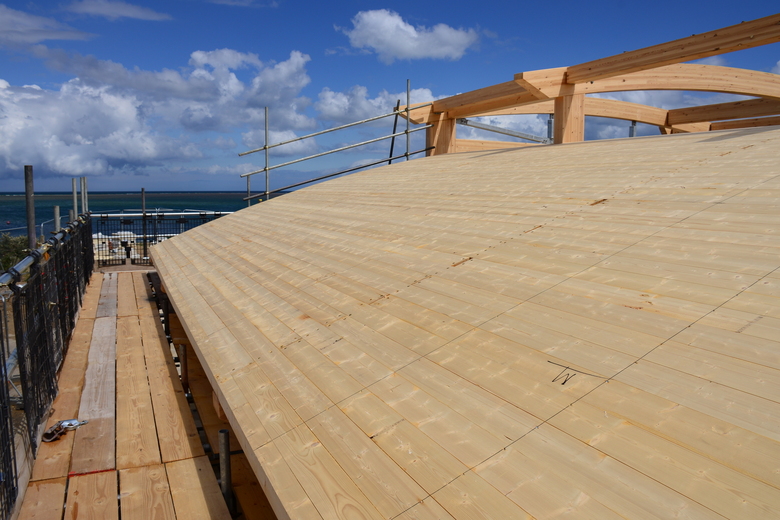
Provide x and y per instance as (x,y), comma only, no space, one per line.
(256,138)
(387,34)
(776,68)
(114,9)
(712,60)
(109,118)
(79,130)
(355,105)
(19,28)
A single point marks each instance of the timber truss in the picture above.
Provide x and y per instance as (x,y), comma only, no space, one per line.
(562,91)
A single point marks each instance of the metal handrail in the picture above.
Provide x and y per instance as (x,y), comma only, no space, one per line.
(14,273)
(356,168)
(336,150)
(335,128)
(266,147)
(160,213)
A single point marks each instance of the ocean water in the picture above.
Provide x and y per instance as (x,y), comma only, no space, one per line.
(13,213)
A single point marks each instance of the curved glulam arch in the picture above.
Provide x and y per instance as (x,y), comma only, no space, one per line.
(562,90)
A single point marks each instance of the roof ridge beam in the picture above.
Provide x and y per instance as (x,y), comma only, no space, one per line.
(720,41)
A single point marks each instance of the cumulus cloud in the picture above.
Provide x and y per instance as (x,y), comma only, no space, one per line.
(256,138)
(19,28)
(79,130)
(110,118)
(355,104)
(115,9)
(776,68)
(387,34)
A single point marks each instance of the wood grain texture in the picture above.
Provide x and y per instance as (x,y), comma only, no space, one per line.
(92,497)
(94,446)
(585,331)
(44,500)
(712,43)
(144,493)
(136,432)
(196,494)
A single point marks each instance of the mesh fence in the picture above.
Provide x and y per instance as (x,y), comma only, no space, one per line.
(121,239)
(8,471)
(45,311)
(42,310)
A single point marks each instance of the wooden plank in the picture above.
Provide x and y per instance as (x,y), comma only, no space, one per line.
(721,441)
(712,43)
(385,485)
(331,491)
(89,304)
(725,491)
(311,332)
(126,305)
(108,302)
(44,500)
(53,458)
(195,491)
(93,497)
(136,433)
(176,432)
(143,297)
(144,493)
(94,444)
(470,496)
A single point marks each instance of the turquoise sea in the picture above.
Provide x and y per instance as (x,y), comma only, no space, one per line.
(13,213)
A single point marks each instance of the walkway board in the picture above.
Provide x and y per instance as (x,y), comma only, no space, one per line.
(119,375)
(588,331)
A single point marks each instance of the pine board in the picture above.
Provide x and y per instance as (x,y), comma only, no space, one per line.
(522,333)
(196,494)
(144,493)
(93,497)
(94,443)
(44,500)
(136,433)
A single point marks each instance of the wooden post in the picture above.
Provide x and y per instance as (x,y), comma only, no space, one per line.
(441,135)
(569,119)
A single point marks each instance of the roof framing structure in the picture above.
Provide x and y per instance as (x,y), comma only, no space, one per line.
(563,91)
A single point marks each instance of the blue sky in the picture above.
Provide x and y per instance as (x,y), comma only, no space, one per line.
(165,94)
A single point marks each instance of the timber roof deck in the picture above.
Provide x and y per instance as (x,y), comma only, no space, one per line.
(588,330)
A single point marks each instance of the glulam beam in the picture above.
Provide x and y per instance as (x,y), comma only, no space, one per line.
(723,111)
(596,107)
(683,76)
(720,41)
(746,123)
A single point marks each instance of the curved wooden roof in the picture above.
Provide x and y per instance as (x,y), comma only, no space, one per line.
(589,330)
